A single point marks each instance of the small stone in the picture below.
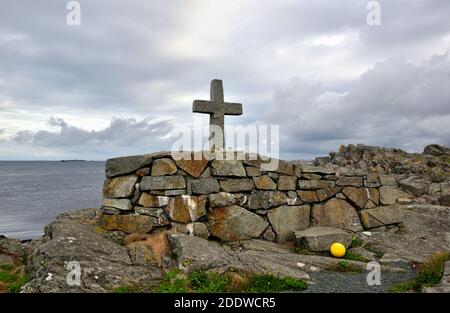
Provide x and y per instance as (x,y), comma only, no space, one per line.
(374,195)
(269,234)
(152,201)
(381,216)
(264,182)
(308,168)
(199,230)
(236,185)
(273,175)
(367,255)
(331,177)
(340,196)
(125,165)
(119,187)
(162,182)
(143,172)
(315,184)
(311,176)
(350,181)
(308,195)
(262,212)
(205,186)
(367,233)
(260,199)
(285,168)
(121,204)
(324,194)
(287,219)
(222,199)
(372,180)
(336,213)
(351,171)
(186,209)
(357,196)
(319,239)
(193,167)
(163,167)
(235,223)
(388,180)
(206,173)
(404,200)
(149,211)
(287,182)
(253,171)
(130,223)
(292,194)
(228,168)
(389,195)
(175,192)
(109,210)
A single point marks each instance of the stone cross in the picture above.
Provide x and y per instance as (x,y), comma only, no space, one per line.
(217,109)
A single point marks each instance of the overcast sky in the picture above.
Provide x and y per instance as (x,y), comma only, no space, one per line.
(123,81)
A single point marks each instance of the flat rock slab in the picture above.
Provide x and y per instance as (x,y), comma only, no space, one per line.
(320,238)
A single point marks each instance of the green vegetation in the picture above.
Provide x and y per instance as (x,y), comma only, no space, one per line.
(354,256)
(12,278)
(205,282)
(430,274)
(127,289)
(345,267)
(271,283)
(356,242)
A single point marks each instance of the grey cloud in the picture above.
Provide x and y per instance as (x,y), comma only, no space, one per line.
(395,104)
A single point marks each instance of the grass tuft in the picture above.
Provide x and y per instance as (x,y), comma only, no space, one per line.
(430,274)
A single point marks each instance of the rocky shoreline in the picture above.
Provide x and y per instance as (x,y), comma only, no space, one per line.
(112,257)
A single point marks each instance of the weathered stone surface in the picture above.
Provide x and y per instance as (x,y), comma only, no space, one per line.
(148,249)
(372,180)
(323,194)
(381,216)
(389,195)
(111,211)
(287,182)
(236,184)
(319,239)
(143,171)
(445,200)
(152,201)
(366,254)
(374,195)
(174,192)
(130,223)
(350,181)
(163,167)
(331,177)
(388,180)
(416,185)
(199,230)
(308,195)
(235,223)
(105,264)
(119,187)
(285,168)
(273,175)
(186,209)
(260,199)
(287,219)
(311,176)
(121,204)
(351,171)
(193,167)
(222,199)
(228,168)
(205,186)
(157,212)
(253,171)
(162,182)
(315,184)
(357,196)
(125,165)
(308,168)
(264,182)
(336,213)
(269,234)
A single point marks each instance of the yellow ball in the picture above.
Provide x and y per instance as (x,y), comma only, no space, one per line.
(337,250)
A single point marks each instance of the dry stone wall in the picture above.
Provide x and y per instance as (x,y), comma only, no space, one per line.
(237,200)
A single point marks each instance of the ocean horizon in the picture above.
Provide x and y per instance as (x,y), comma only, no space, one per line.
(33,193)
